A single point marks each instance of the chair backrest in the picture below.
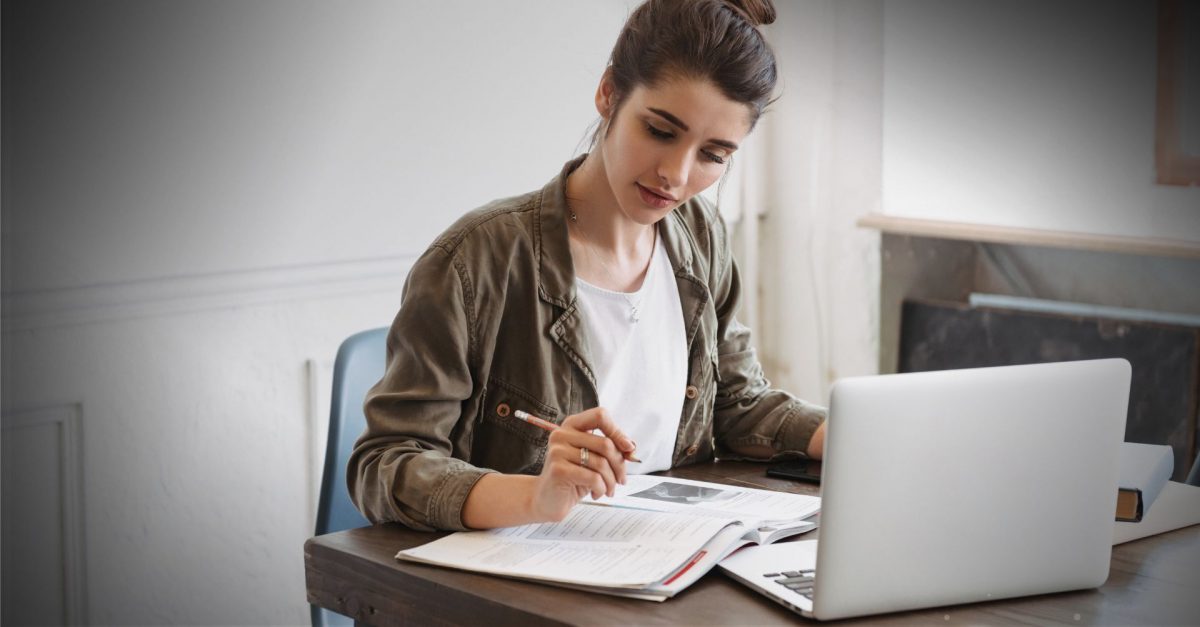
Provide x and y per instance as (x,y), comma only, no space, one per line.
(359,365)
(1193,477)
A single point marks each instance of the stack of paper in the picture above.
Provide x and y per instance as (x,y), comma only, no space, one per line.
(1144,470)
(1178,505)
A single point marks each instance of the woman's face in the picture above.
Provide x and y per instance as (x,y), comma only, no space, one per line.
(667,144)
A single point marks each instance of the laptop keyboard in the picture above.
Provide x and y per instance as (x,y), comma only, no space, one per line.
(798,581)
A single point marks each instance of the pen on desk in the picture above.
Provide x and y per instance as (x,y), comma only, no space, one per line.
(550,426)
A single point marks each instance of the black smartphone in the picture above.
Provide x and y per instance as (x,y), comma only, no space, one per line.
(796,469)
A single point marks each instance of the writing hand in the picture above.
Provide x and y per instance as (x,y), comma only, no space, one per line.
(579,462)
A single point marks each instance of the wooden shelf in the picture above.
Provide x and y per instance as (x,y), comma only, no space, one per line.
(1158,247)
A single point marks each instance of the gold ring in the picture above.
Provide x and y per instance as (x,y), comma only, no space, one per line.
(583,457)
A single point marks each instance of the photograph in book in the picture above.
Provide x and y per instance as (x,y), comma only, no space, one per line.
(751,506)
(675,492)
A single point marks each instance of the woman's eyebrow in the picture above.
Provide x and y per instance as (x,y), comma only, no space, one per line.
(668,116)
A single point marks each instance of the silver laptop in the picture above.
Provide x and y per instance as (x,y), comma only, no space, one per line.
(956,486)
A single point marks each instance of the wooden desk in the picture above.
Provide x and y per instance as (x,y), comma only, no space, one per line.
(1153,581)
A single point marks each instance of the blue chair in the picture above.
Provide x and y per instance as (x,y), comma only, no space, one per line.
(359,365)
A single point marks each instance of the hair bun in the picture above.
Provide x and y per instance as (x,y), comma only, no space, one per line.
(757,12)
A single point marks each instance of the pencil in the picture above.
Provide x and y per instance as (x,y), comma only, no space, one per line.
(550,426)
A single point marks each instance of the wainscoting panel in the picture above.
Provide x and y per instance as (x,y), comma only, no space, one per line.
(43,569)
(204,439)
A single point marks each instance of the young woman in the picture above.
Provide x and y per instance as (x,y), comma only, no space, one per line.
(603,302)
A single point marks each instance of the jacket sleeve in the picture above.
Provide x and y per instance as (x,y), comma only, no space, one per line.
(402,468)
(747,411)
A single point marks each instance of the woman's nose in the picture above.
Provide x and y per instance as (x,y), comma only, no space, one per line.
(673,168)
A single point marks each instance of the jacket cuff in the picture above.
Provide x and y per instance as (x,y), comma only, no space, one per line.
(799,426)
(446,503)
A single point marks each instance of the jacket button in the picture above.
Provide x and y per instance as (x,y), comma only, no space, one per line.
(692,450)
(692,392)
(502,410)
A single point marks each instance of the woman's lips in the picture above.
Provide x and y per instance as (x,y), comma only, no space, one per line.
(654,199)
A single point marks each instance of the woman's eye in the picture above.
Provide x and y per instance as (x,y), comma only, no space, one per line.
(658,132)
(712,156)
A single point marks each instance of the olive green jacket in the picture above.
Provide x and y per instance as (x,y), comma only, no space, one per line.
(490,324)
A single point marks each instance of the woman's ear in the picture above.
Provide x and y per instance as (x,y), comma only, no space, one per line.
(606,95)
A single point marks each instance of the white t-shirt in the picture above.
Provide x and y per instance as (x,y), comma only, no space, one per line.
(640,366)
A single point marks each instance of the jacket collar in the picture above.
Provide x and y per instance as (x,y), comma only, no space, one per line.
(556,270)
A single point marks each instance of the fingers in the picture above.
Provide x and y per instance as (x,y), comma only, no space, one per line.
(603,455)
(603,466)
(598,484)
(599,418)
(592,471)
(599,448)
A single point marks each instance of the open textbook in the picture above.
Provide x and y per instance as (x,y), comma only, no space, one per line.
(652,539)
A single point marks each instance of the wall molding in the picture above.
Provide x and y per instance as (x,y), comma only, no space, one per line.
(24,311)
(68,420)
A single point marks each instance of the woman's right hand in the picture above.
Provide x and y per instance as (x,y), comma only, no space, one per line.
(569,473)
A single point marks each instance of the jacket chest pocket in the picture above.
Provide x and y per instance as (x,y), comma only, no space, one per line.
(504,442)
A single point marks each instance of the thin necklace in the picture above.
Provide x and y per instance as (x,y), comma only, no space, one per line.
(635,306)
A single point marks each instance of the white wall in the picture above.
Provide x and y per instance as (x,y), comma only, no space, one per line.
(199,200)
(819,272)
(1027,114)
(281,133)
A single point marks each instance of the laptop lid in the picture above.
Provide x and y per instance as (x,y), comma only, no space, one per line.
(968,485)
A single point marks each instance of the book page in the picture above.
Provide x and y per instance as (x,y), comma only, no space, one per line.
(600,546)
(750,506)
(725,542)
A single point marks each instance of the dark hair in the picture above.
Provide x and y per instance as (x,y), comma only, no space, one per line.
(713,40)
